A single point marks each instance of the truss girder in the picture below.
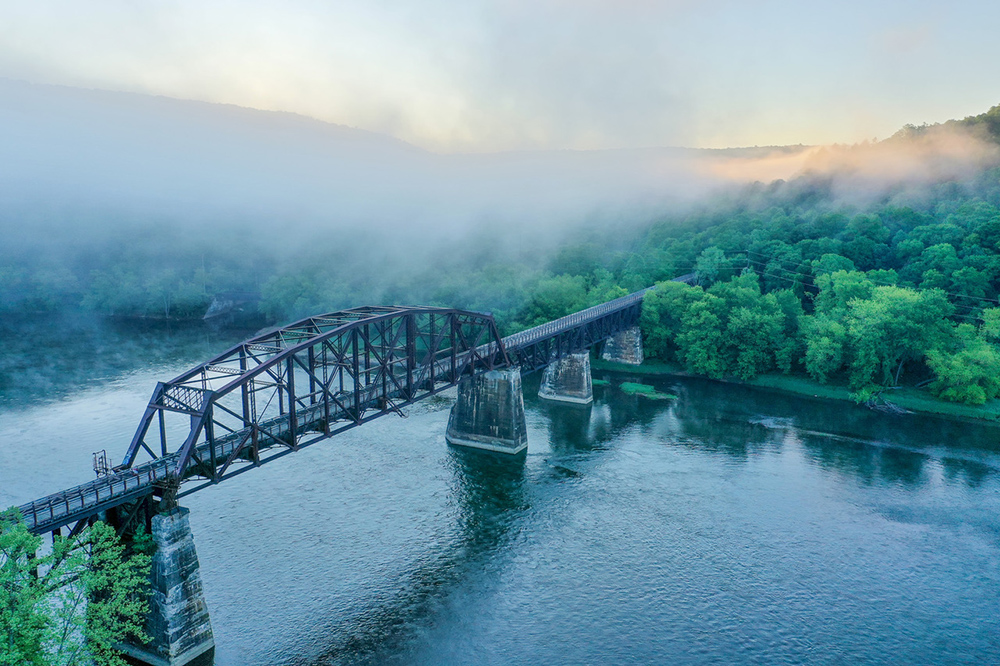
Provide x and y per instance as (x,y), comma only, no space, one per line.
(293,386)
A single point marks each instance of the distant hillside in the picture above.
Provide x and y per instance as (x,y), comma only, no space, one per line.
(985,125)
(989,121)
(132,204)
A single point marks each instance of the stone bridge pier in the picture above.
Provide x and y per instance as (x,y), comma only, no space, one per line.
(568,380)
(178,621)
(489,413)
(624,347)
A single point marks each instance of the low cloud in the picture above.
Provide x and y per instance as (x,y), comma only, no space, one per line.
(866,171)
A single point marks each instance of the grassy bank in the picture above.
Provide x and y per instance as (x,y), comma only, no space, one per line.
(908,398)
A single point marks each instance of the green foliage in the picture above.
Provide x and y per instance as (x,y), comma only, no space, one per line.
(711,262)
(969,372)
(555,297)
(645,391)
(731,329)
(791,278)
(894,326)
(662,312)
(71,606)
(825,341)
(839,288)
(701,340)
(832,263)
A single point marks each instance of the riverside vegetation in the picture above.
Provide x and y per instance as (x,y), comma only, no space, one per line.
(71,606)
(899,289)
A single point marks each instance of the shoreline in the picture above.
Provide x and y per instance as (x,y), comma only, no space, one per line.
(915,400)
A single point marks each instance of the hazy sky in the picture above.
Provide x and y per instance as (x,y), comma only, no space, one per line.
(481,75)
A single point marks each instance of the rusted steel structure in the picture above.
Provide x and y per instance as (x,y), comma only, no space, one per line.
(294,386)
(535,348)
(274,394)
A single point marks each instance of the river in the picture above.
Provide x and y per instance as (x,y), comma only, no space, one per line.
(728,526)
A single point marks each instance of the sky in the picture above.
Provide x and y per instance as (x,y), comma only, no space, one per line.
(502,75)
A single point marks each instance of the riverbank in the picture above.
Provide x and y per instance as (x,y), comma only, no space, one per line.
(912,399)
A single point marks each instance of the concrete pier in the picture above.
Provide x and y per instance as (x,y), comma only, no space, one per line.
(624,347)
(489,413)
(178,617)
(568,380)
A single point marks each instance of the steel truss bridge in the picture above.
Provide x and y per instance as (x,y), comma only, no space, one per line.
(281,391)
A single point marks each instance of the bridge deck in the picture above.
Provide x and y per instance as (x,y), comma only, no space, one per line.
(124,485)
(555,327)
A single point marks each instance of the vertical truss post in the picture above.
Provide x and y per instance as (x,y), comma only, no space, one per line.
(290,382)
(210,438)
(368,357)
(340,363)
(281,393)
(312,375)
(326,389)
(386,354)
(163,432)
(244,389)
(357,375)
(432,350)
(411,352)
(453,318)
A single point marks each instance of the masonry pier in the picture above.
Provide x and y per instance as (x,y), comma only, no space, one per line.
(568,380)
(489,413)
(178,621)
(624,347)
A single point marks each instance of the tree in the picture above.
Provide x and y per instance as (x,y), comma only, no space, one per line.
(708,265)
(554,297)
(788,345)
(700,343)
(662,313)
(969,372)
(69,607)
(837,289)
(751,333)
(824,339)
(831,263)
(894,326)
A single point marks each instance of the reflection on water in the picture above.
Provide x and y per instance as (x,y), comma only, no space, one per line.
(726,526)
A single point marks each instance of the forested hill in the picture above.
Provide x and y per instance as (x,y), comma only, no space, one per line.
(793,279)
(135,205)
(987,124)
(878,264)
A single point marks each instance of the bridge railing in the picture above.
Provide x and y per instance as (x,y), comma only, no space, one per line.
(563,324)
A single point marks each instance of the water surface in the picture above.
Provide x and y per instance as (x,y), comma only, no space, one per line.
(730,526)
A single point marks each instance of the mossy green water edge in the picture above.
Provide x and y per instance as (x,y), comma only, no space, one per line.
(645,391)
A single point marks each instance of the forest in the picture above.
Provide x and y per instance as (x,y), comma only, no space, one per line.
(791,277)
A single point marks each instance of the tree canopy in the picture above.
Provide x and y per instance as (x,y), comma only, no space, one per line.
(72,605)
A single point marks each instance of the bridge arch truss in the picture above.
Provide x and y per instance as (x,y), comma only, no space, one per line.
(285,389)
